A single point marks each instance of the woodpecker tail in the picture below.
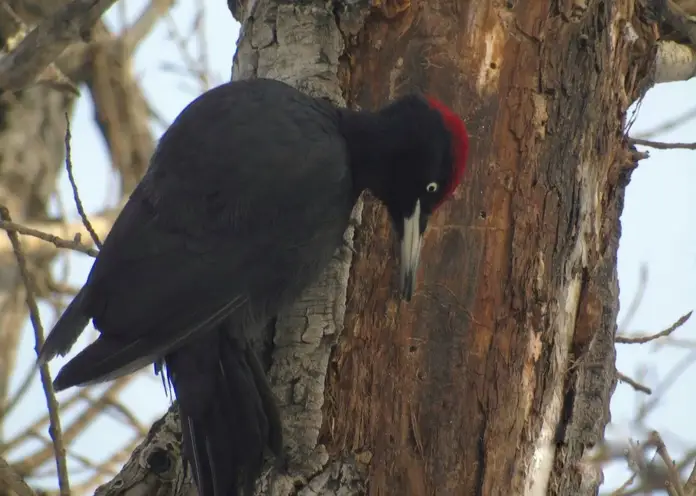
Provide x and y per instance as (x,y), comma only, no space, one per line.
(228,413)
(66,331)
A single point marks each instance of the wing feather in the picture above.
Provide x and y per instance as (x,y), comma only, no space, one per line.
(231,227)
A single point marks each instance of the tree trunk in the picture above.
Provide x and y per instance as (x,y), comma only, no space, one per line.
(496,379)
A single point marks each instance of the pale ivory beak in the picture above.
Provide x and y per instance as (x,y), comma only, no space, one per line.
(410,252)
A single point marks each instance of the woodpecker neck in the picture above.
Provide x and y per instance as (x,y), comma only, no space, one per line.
(370,140)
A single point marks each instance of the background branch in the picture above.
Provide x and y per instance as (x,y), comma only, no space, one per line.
(47,41)
(54,424)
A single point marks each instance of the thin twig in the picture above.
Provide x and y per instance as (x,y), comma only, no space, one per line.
(674,485)
(669,125)
(191,65)
(38,424)
(128,417)
(78,425)
(645,339)
(76,194)
(653,475)
(660,145)
(633,383)
(86,464)
(663,388)
(56,241)
(54,429)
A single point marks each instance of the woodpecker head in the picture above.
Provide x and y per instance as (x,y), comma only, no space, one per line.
(425,161)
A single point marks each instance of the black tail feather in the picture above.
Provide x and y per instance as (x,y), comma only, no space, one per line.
(268,400)
(95,364)
(228,413)
(66,331)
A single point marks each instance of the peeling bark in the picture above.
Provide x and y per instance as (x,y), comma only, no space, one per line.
(496,379)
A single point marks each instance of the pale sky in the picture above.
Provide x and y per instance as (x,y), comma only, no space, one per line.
(656,231)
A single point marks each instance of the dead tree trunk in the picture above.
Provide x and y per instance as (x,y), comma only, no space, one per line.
(496,379)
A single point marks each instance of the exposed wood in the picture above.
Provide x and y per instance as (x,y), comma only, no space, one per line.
(482,385)
(496,379)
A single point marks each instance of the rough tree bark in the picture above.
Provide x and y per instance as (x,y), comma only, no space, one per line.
(496,379)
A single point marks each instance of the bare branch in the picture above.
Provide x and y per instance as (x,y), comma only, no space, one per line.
(76,194)
(659,145)
(121,111)
(47,41)
(40,233)
(690,486)
(645,339)
(127,415)
(661,390)
(44,235)
(51,75)
(54,426)
(669,125)
(674,486)
(191,65)
(677,18)
(674,62)
(632,382)
(136,32)
(74,429)
(11,482)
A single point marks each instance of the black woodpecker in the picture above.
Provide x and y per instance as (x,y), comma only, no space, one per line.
(245,201)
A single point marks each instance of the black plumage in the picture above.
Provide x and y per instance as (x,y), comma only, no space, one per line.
(246,200)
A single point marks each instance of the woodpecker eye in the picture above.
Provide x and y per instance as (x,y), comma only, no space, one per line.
(431,188)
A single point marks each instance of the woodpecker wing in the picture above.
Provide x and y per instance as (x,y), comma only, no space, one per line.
(222,226)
